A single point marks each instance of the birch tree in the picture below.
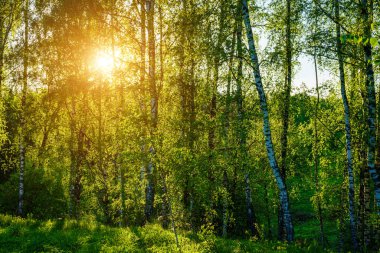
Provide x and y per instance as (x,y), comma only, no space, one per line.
(351,190)
(23,105)
(150,188)
(284,199)
(366,9)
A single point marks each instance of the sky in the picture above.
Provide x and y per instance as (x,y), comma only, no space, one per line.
(304,73)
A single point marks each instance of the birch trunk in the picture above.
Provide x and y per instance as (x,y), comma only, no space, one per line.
(150,191)
(351,190)
(142,88)
(366,9)
(229,82)
(284,200)
(23,108)
(226,124)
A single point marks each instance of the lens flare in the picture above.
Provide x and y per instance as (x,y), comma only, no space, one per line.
(104,62)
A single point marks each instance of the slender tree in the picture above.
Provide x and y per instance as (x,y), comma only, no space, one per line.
(316,154)
(351,190)
(20,209)
(286,104)
(366,10)
(241,128)
(150,188)
(7,18)
(284,199)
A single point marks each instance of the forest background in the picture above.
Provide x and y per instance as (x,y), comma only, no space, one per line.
(245,120)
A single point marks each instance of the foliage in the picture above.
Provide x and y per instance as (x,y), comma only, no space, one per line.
(118,105)
(29,235)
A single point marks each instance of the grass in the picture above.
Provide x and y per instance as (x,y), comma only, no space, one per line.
(86,235)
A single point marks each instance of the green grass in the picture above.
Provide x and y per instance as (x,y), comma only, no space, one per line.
(86,235)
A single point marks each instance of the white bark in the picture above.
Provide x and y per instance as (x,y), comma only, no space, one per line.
(266,127)
(23,105)
(351,190)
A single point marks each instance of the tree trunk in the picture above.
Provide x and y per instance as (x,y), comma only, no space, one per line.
(229,82)
(225,205)
(142,87)
(77,153)
(367,209)
(316,157)
(241,128)
(103,197)
(150,188)
(118,160)
(363,221)
(165,197)
(284,200)
(366,9)
(213,109)
(285,115)
(248,201)
(226,125)
(142,93)
(364,211)
(2,49)
(351,191)
(341,220)
(122,197)
(23,110)
(169,206)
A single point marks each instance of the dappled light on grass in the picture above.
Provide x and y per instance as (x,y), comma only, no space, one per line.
(28,235)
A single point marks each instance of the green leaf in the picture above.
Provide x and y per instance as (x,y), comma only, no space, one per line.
(374,42)
(343,38)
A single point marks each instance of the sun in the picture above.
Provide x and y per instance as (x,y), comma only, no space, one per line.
(104,62)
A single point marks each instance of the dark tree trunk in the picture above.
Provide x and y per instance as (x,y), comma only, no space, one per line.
(366,9)
(241,128)
(285,115)
(316,157)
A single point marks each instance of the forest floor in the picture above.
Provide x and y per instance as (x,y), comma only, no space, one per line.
(30,235)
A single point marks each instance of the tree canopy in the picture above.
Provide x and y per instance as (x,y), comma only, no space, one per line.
(195,115)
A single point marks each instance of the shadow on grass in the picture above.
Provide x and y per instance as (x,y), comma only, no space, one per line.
(23,235)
